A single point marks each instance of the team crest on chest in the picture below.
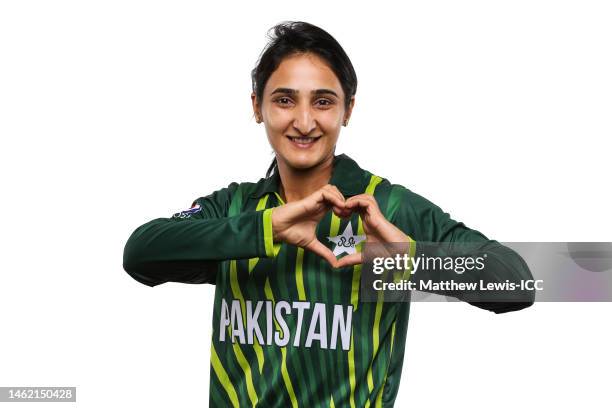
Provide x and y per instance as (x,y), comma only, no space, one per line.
(346,242)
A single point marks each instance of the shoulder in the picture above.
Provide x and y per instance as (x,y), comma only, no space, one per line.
(394,197)
(398,198)
(409,211)
(217,203)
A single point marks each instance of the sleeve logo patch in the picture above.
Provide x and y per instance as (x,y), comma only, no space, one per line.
(195,208)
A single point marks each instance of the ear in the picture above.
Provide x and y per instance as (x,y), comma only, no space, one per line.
(349,110)
(256,108)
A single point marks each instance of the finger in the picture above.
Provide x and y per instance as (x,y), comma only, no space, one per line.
(358,197)
(346,213)
(363,202)
(368,211)
(341,212)
(338,211)
(332,198)
(349,260)
(334,188)
(334,191)
(358,203)
(324,252)
(363,198)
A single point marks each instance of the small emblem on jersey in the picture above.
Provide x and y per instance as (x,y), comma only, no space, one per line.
(195,208)
(346,242)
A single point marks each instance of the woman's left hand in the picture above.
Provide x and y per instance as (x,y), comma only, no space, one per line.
(376,227)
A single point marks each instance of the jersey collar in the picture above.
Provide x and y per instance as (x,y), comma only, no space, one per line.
(346,175)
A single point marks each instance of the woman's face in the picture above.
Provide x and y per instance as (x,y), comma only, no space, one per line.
(303,110)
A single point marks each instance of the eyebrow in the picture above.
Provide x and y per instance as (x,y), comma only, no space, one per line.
(295,91)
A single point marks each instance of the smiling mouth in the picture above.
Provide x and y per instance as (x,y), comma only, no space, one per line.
(303,140)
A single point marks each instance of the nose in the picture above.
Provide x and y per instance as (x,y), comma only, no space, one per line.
(304,121)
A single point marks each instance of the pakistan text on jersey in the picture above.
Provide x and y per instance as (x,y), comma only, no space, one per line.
(244,325)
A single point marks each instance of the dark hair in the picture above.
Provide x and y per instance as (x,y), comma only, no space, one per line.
(293,37)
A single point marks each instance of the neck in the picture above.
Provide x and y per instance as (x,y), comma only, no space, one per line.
(297,184)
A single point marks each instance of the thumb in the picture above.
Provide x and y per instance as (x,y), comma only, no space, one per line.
(349,260)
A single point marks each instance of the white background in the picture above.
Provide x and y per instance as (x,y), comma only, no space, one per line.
(116,112)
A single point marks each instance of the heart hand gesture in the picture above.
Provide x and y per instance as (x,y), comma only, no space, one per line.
(295,223)
(376,227)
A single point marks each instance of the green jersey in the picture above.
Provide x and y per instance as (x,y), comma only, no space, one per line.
(288,329)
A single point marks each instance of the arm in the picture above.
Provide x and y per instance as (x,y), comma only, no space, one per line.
(426,222)
(187,248)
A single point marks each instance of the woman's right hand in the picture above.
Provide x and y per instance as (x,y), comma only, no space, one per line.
(296,222)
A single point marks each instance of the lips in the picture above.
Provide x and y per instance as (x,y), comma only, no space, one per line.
(301,140)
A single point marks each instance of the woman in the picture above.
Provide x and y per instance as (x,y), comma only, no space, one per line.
(289,328)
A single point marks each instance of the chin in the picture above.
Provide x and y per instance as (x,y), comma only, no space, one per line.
(303,161)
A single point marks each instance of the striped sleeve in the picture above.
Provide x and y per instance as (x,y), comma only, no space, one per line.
(188,247)
(427,223)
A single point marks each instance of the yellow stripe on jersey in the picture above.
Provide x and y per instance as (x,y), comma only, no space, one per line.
(223,377)
(261,205)
(351,367)
(299,275)
(335,225)
(284,371)
(280,199)
(242,361)
(412,252)
(380,393)
(374,181)
(375,340)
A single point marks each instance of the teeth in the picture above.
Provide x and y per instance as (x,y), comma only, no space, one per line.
(303,139)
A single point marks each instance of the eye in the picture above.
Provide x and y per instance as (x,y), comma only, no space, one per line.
(283,100)
(324,102)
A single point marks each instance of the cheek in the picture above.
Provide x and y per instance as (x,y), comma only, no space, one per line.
(330,121)
(277,121)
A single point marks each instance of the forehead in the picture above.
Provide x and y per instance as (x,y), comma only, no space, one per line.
(304,72)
